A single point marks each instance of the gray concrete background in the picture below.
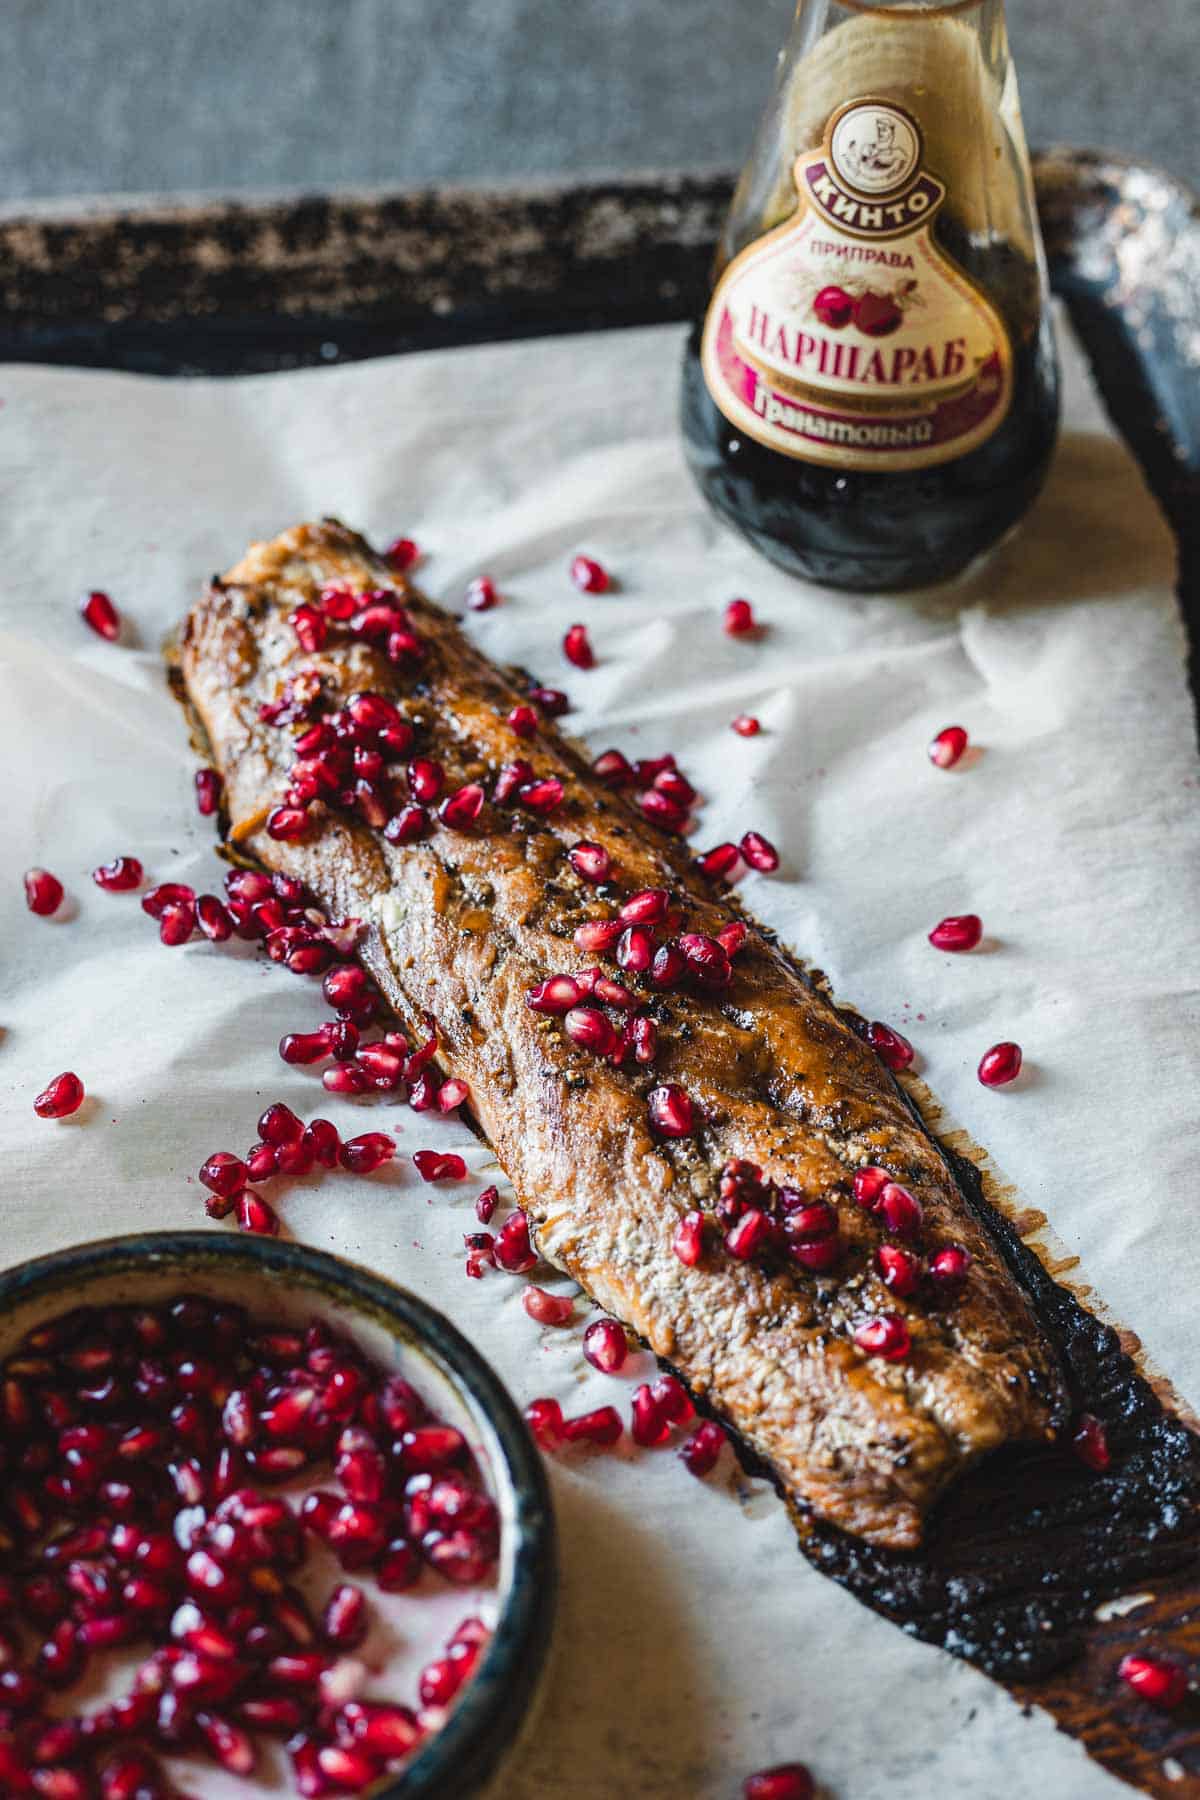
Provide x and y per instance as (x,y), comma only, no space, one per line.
(136,95)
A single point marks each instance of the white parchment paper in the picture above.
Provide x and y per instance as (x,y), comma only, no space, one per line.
(694,1644)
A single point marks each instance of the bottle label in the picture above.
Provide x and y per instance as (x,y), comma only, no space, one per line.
(846,336)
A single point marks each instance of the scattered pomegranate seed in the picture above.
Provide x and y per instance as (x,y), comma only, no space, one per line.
(481,595)
(548,1309)
(426,779)
(739,618)
(787,1781)
(669,966)
(485,1205)
(900,1211)
(718,862)
(542,796)
(948,1267)
(208,791)
(759,852)
(461,809)
(589,576)
(688,1241)
(224,1173)
(287,822)
(885,1335)
(213,920)
(899,1269)
(746,725)
(1153,1678)
(890,1046)
(962,931)
(598,936)
(361,1155)
(433,1166)
(648,907)
(591,1029)
(751,1234)
(603,1427)
(590,861)
(1089,1441)
(556,995)
(523,720)
(514,1252)
(613,769)
(577,648)
(648,1423)
(605,1346)
(402,553)
(1000,1065)
(43,892)
(254,1214)
(672,1114)
(550,702)
(60,1098)
(948,746)
(120,876)
(408,825)
(98,611)
(452,1095)
(702,1450)
(545,1420)
(311,629)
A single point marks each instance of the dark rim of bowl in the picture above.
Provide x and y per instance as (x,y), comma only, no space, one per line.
(486,1720)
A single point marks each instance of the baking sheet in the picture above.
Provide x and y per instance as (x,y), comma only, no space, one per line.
(694,1643)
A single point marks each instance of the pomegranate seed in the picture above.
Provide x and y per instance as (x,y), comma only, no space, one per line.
(672,1114)
(702,1450)
(513,775)
(648,1424)
(225,1174)
(577,648)
(673,1400)
(718,862)
(345,987)
(750,1235)
(550,702)
(426,779)
(900,1269)
(481,594)
(598,936)
(648,907)
(890,1046)
(545,1420)
(324,1142)
(869,1183)
(514,1252)
(759,852)
(603,1427)
(60,1098)
(739,618)
(98,611)
(961,931)
(899,1210)
(547,1309)
(408,825)
(557,995)
(279,1125)
(262,1160)
(589,576)
(287,822)
(344,1621)
(542,796)
(688,1242)
(168,893)
(706,959)
(452,1095)
(176,925)
(732,937)
(305,1047)
(613,769)
(523,720)
(463,807)
(208,791)
(432,1166)
(43,892)
(592,1030)
(662,810)
(120,876)
(787,1781)
(605,1346)
(310,628)
(948,746)
(635,951)
(213,919)
(884,1335)
(590,861)
(746,725)
(361,1155)
(387,1731)
(485,1205)
(669,966)
(255,1215)
(948,1268)
(1000,1065)
(1089,1441)
(642,1034)
(402,553)
(1153,1678)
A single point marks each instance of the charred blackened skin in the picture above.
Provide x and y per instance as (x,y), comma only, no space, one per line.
(1021,1548)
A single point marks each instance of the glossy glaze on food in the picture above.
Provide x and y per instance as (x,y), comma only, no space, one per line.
(465,923)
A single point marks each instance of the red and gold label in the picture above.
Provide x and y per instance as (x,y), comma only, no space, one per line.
(846,336)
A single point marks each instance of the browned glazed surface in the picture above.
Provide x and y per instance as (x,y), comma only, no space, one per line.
(464,925)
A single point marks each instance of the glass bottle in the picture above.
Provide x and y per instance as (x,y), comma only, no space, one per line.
(872,395)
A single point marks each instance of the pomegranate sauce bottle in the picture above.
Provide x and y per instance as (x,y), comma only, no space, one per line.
(872,394)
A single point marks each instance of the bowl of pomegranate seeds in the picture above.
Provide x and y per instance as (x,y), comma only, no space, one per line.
(269,1524)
